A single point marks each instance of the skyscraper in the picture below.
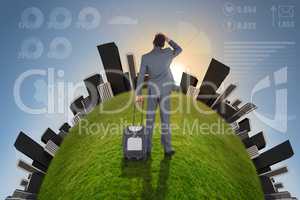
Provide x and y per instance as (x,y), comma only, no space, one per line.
(65,127)
(192,91)
(267,185)
(132,71)
(27,167)
(127,81)
(258,140)
(49,134)
(91,84)
(221,99)
(105,91)
(77,105)
(186,81)
(110,57)
(244,125)
(236,103)
(35,182)
(247,108)
(33,150)
(272,156)
(21,194)
(215,75)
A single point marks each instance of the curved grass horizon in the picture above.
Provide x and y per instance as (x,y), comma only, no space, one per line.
(205,166)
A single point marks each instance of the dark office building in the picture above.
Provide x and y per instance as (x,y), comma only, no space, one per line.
(110,57)
(236,103)
(244,125)
(218,104)
(24,183)
(132,71)
(21,194)
(215,75)
(227,111)
(51,135)
(89,104)
(267,185)
(257,139)
(27,167)
(275,155)
(39,166)
(232,114)
(65,127)
(33,150)
(127,81)
(35,182)
(64,130)
(91,84)
(186,81)
(77,105)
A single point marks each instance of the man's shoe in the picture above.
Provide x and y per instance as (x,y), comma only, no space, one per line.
(170,153)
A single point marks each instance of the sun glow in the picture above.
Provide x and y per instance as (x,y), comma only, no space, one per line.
(177,69)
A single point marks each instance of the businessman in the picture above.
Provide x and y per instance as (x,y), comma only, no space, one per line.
(160,84)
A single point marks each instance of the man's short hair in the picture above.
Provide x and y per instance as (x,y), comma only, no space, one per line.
(159,40)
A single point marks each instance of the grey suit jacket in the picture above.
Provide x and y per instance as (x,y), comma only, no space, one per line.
(157,64)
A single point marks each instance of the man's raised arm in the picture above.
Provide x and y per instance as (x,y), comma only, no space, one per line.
(176,48)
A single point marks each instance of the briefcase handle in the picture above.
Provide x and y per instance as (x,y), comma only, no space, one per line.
(134,111)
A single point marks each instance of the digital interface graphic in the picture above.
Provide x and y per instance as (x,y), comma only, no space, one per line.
(153,99)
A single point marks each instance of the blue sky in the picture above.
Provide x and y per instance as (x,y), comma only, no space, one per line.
(205,29)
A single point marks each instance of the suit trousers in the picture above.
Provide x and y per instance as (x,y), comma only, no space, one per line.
(163,101)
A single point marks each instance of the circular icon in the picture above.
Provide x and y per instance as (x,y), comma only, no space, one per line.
(228,9)
(60,18)
(89,18)
(31,18)
(229,26)
(31,48)
(60,48)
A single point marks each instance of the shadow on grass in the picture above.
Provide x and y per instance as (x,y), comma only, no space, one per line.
(142,170)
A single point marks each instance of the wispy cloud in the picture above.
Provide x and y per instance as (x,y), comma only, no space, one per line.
(125,20)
